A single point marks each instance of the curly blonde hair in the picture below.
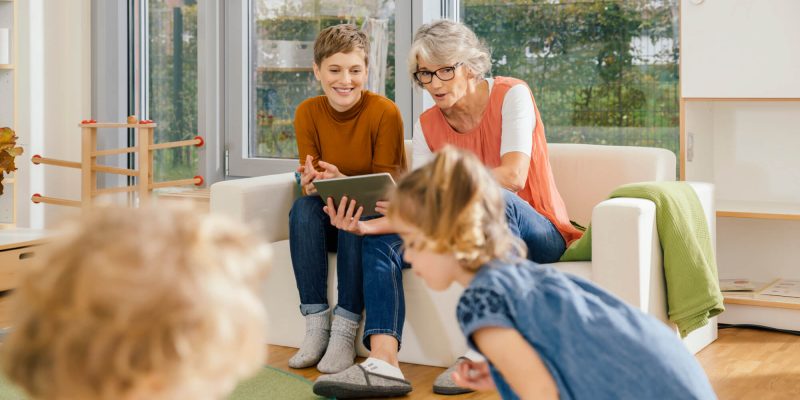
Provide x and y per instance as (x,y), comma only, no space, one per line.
(140,303)
(458,207)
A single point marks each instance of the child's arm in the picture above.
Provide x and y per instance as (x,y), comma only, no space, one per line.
(517,361)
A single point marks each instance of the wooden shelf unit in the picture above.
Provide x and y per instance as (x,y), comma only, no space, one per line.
(755,298)
(739,131)
(757,209)
(763,301)
(746,147)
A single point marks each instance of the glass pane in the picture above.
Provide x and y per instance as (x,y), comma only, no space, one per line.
(282,55)
(602,72)
(172,37)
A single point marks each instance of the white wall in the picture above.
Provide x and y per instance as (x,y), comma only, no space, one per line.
(54,96)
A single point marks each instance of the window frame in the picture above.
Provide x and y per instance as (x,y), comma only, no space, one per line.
(238,97)
(222,78)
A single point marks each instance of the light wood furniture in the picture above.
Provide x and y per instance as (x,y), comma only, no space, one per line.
(18,247)
(89,165)
(739,129)
(8,106)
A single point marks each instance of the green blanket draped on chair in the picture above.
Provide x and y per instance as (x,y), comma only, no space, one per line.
(690,270)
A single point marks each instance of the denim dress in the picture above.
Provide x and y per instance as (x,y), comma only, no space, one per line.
(594,345)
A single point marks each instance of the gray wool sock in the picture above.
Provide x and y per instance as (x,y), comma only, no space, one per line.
(341,350)
(318,331)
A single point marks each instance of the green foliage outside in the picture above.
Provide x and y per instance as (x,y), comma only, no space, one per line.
(173,86)
(603,72)
(591,84)
(279,91)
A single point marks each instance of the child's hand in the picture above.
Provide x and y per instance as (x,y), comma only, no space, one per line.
(382,207)
(474,375)
(307,175)
(346,217)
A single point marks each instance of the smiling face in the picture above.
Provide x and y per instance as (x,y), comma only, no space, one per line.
(446,93)
(438,270)
(342,77)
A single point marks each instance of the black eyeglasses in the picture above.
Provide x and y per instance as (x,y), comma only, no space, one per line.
(444,74)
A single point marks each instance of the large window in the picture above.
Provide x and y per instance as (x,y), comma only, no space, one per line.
(283,53)
(172,85)
(270,51)
(602,72)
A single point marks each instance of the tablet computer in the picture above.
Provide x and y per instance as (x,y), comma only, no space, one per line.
(365,189)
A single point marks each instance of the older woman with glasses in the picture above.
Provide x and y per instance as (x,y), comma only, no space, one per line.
(497,119)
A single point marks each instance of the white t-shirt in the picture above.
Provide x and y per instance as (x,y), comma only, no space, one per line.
(519,119)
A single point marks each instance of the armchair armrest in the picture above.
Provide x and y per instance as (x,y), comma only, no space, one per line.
(626,253)
(264,201)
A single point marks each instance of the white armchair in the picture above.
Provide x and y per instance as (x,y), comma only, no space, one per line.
(626,254)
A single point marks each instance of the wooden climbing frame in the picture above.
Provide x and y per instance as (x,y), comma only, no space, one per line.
(90,168)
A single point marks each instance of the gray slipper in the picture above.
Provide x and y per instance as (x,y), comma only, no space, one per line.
(356,382)
(444,382)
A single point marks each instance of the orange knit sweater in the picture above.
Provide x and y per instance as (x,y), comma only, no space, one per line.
(484,140)
(368,138)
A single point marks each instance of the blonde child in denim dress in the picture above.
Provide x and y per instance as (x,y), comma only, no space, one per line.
(546,334)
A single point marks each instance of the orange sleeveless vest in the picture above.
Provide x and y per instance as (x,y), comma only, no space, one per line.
(484,140)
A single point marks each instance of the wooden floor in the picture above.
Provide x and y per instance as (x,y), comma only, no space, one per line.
(753,364)
(741,364)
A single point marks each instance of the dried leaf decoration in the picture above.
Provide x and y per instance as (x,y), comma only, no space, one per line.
(8,150)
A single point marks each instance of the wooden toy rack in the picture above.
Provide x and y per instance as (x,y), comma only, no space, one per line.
(89,166)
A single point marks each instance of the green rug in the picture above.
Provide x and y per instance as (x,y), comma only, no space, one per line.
(269,383)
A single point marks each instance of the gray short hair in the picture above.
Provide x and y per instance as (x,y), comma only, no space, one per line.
(446,42)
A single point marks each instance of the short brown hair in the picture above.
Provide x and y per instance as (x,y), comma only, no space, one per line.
(131,295)
(458,207)
(342,38)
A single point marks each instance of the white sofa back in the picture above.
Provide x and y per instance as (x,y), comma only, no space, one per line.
(586,174)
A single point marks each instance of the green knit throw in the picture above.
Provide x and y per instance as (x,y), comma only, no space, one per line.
(690,270)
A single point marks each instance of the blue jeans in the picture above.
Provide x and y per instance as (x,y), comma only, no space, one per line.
(383,265)
(311,237)
(383,286)
(545,243)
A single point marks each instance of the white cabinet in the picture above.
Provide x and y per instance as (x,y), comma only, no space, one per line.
(740,48)
(740,129)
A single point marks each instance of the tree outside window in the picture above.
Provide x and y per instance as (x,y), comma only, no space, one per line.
(602,72)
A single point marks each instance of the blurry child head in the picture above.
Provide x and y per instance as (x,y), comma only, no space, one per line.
(340,64)
(451,213)
(140,304)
